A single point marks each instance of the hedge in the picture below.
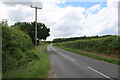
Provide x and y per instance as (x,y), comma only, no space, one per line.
(16,48)
(108,45)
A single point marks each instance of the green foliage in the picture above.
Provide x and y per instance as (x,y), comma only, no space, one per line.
(41,43)
(15,48)
(77,38)
(35,69)
(108,45)
(94,56)
(29,28)
(4,22)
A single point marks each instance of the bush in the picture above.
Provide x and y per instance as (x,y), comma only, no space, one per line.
(41,43)
(15,46)
(108,45)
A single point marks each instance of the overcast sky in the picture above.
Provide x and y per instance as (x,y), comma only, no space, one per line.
(66,18)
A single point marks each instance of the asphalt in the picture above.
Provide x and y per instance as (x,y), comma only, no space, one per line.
(70,65)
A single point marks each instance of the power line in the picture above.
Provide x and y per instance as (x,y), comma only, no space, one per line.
(36,7)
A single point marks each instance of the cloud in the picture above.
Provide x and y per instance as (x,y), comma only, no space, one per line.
(69,21)
(77,21)
(4,13)
(16,13)
(22,2)
(19,14)
(101,23)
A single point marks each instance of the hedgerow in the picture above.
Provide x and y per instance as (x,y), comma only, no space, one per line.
(108,45)
(16,48)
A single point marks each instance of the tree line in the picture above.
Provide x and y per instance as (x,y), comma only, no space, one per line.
(56,40)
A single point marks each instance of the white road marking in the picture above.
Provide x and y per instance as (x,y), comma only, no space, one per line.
(98,72)
(69,58)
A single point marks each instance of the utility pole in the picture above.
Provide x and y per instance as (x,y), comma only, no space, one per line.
(36,7)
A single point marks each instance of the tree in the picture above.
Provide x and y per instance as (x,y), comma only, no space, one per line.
(29,28)
(43,32)
(4,22)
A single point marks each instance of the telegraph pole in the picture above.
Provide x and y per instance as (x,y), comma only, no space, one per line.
(36,7)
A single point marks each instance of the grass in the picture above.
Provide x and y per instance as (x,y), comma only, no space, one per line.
(94,56)
(35,69)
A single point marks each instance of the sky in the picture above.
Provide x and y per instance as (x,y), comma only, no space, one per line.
(66,18)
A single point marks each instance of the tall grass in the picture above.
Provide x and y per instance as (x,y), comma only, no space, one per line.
(35,69)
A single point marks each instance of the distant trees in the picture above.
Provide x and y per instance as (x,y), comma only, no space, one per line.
(29,28)
(76,38)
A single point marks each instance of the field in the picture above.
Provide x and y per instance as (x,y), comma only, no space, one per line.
(105,49)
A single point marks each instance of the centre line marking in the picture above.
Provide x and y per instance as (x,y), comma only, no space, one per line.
(98,72)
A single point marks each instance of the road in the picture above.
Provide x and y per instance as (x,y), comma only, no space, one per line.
(70,65)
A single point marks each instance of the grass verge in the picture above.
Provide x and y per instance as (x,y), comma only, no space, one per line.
(94,56)
(35,69)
